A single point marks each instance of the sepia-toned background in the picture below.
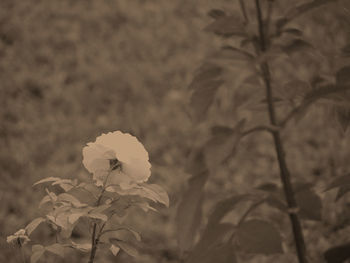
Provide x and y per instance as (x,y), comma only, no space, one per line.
(71,70)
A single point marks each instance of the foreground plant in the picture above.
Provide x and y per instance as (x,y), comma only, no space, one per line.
(120,170)
(260,46)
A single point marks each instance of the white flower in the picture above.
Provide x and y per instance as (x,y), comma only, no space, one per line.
(19,237)
(117,158)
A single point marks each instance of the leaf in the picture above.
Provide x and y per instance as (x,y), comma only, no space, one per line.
(339,181)
(221,146)
(156,193)
(45,200)
(293,31)
(114,249)
(196,162)
(98,216)
(338,254)
(74,217)
(203,98)
(70,199)
(257,236)
(125,246)
(342,191)
(297,45)
(227,26)
(86,247)
(230,52)
(34,224)
(37,252)
(189,212)
(225,206)
(204,85)
(57,249)
(48,179)
(220,253)
(211,238)
(310,205)
(65,184)
(216,13)
(301,9)
(342,115)
(346,50)
(343,76)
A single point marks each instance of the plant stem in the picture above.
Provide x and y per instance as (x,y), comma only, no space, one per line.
(94,240)
(284,172)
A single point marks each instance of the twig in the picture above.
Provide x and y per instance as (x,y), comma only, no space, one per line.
(244,11)
(284,172)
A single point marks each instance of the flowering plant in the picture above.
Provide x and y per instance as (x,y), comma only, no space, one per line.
(120,169)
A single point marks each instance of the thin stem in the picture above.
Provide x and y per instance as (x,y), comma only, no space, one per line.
(94,239)
(249,210)
(284,172)
(244,11)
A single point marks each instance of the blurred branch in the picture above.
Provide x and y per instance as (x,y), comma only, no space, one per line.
(284,171)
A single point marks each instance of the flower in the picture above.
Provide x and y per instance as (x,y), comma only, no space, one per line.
(19,237)
(117,158)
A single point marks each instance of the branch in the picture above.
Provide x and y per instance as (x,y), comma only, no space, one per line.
(284,172)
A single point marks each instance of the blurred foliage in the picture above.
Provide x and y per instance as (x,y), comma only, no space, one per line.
(71,70)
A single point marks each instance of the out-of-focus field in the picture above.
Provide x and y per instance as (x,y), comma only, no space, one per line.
(71,70)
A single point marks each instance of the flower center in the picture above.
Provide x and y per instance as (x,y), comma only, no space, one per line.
(115,164)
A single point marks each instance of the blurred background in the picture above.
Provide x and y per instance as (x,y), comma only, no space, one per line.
(71,70)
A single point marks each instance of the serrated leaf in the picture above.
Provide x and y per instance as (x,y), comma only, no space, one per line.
(227,205)
(125,246)
(57,249)
(222,146)
(114,249)
(189,212)
(310,205)
(37,252)
(227,26)
(34,224)
(260,237)
(338,254)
